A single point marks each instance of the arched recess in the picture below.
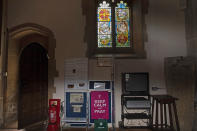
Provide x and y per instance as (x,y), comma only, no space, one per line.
(19,38)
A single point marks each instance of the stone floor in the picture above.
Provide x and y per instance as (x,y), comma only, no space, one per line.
(75,129)
(109,130)
(41,128)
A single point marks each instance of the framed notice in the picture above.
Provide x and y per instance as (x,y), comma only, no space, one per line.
(75,109)
(76,98)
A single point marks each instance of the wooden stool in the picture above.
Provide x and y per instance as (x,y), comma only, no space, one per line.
(164,101)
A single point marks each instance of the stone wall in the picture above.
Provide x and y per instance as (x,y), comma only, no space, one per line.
(180,83)
(191,30)
(191,37)
(165,33)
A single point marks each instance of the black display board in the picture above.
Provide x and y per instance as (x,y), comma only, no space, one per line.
(135,83)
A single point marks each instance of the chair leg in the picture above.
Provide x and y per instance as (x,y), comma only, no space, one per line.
(161,114)
(152,117)
(176,116)
(156,119)
(170,116)
(165,115)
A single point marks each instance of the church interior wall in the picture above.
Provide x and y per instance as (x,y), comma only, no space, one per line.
(165,26)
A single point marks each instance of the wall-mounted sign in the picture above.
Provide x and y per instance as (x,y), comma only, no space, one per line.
(76,73)
(99,105)
(99,85)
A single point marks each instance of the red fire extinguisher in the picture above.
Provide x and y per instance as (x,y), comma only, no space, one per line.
(54,115)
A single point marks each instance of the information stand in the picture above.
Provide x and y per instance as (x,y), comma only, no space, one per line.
(100,103)
(77,96)
(76,93)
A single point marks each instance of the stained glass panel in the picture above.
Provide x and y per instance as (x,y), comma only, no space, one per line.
(122,34)
(122,25)
(104,41)
(122,14)
(104,25)
(104,14)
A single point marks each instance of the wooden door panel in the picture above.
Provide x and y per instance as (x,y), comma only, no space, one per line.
(33,90)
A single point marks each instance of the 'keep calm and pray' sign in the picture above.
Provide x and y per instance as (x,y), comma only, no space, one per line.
(99,105)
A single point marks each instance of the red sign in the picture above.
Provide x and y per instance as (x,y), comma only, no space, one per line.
(99,105)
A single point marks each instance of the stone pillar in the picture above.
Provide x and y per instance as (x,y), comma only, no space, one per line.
(180,83)
(11,97)
(3,25)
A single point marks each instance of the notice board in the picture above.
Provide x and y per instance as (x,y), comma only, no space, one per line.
(76,74)
(75,106)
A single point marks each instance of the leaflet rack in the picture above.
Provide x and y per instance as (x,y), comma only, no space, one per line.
(135,111)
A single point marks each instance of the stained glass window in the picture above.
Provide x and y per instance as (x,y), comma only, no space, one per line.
(104,25)
(115,28)
(122,21)
(121,36)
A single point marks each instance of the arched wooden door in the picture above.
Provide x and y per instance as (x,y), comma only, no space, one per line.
(33,89)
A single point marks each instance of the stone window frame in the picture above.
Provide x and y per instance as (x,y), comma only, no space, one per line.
(139,9)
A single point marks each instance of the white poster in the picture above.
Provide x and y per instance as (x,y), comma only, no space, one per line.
(76,98)
(77,108)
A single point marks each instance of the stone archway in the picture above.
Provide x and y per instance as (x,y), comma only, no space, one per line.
(20,37)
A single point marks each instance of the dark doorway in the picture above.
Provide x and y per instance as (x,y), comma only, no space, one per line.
(33,89)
